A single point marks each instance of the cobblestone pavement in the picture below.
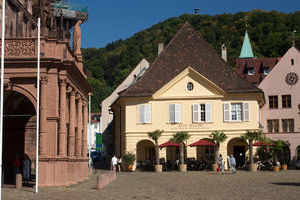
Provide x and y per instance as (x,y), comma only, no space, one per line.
(175,185)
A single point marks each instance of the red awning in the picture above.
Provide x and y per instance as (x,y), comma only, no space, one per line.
(260,143)
(202,142)
(169,144)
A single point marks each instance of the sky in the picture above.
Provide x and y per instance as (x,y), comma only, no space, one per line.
(110,20)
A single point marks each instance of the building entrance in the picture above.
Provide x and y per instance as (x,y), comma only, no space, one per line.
(239,154)
(18,133)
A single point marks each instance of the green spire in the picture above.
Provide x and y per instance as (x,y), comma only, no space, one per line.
(246,49)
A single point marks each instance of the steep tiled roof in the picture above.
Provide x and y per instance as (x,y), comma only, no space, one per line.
(258,65)
(188,49)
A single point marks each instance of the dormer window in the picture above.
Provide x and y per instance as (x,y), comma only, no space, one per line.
(266,70)
(250,71)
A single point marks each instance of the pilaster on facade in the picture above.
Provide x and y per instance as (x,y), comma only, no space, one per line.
(62,122)
(79,127)
(85,125)
(43,116)
(71,139)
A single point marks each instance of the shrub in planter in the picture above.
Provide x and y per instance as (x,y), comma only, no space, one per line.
(128,159)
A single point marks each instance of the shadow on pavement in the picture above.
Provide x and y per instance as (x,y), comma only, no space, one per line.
(287,183)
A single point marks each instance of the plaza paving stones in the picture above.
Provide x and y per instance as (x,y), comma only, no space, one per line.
(175,185)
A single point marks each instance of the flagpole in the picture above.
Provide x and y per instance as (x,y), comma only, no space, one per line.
(2,91)
(38,109)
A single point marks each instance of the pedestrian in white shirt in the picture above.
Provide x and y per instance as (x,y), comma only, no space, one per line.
(114,162)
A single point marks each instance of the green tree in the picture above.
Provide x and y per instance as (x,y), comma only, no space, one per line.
(252,136)
(218,138)
(180,137)
(155,135)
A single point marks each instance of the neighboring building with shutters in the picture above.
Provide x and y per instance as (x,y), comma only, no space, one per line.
(189,87)
(280,115)
(251,68)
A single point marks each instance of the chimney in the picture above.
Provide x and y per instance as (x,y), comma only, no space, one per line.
(160,48)
(224,52)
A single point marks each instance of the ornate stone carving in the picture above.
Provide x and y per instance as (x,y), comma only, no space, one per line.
(77,38)
(63,82)
(78,97)
(291,78)
(20,48)
(44,80)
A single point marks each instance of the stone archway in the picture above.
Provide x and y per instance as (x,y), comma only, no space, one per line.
(238,148)
(18,130)
(145,150)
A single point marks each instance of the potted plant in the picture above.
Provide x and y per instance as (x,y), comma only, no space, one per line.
(128,159)
(218,138)
(252,136)
(280,145)
(180,137)
(154,135)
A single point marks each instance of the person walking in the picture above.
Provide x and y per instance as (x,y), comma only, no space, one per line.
(119,164)
(26,169)
(220,162)
(233,163)
(114,162)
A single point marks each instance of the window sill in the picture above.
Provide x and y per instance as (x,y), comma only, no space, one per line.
(236,121)
(173,123)
(202,122)
(141,123)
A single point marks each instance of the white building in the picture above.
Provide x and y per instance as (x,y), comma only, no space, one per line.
(94,129)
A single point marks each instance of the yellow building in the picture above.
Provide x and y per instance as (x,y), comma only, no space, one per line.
(189,87)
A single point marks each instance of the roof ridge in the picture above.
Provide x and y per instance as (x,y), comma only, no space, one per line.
(186,23)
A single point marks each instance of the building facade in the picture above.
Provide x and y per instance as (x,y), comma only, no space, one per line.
(189,87)
(63,93)
(280,115)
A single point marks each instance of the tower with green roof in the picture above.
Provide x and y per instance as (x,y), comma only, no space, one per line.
(246,48)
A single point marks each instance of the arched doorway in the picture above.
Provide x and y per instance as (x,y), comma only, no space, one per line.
(238,148)
(145,151)
(18,131)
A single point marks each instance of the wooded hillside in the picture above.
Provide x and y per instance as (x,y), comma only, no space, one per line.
(270,34)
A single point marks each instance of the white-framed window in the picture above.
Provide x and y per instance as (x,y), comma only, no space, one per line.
(174,113)
(236,112)
(202,112)
(145,113)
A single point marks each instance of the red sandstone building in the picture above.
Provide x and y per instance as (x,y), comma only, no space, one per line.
(63,94)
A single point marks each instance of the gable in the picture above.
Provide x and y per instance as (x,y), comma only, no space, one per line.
(276,79)
(199,87)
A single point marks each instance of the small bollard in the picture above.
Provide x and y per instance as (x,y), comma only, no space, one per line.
(18,181)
